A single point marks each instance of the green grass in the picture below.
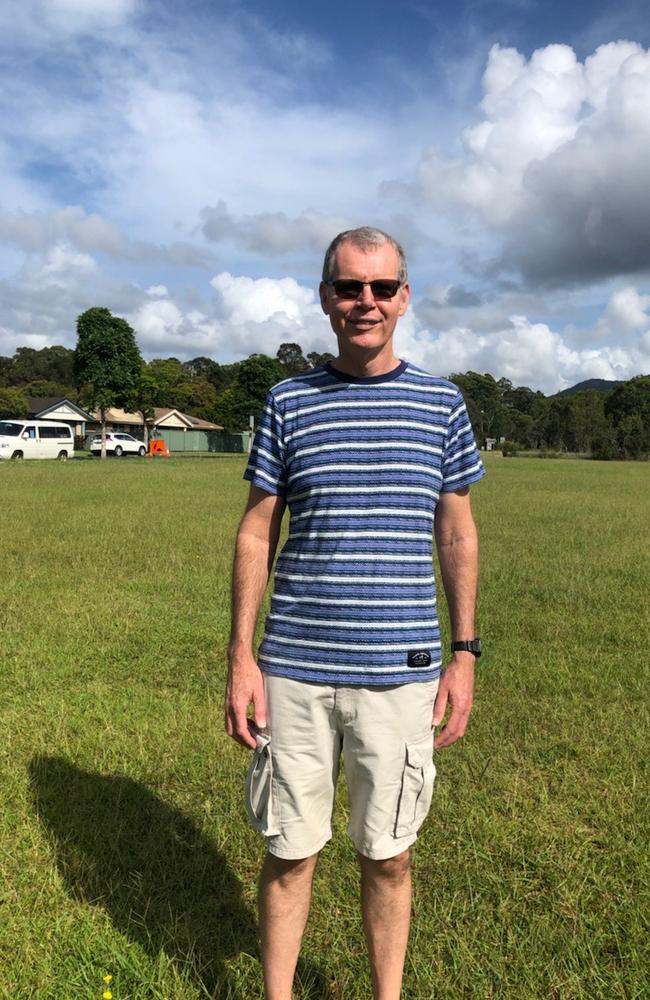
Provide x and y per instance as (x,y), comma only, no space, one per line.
(125,848)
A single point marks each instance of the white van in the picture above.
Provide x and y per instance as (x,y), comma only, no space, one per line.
(35,439)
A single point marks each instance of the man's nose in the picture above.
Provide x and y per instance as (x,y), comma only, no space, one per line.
(366,298)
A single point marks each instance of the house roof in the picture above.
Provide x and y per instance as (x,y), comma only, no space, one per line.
(40,406)
(164,416)
(202,425)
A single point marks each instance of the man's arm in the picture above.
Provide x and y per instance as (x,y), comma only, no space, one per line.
(457,544)
(257,541)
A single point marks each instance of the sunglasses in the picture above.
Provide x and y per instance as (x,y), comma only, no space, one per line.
(382,288)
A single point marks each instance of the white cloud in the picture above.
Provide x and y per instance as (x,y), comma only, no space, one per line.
(44,297)
(89,10)
(38,231)
(34,231)
(65,17)
(62,265)
(271,232)
(259,300)
(526,352)
(250,316)
(557,165)
(626,316)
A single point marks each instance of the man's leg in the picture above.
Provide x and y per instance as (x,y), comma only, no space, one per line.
(386,907)
(284,897)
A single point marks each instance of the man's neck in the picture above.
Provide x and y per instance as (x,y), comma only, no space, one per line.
(361,366)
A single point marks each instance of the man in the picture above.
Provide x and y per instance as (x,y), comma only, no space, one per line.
(365,451)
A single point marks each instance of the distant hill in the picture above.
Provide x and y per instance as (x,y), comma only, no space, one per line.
(599,384)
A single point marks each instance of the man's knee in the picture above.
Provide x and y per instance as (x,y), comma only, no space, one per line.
(389,870)
(286,872)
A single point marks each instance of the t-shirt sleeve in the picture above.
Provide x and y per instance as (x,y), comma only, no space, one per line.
(266,465)
(461,462)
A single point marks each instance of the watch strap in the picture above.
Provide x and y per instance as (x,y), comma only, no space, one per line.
(467,646)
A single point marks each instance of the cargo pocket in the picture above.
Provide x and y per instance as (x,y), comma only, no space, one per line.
(261,796)
(417,786)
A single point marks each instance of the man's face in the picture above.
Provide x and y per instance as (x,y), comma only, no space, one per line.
(364,323)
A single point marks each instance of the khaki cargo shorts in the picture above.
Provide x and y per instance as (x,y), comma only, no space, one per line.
(385,736)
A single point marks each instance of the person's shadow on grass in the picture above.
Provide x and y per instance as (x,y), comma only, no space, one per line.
(160,879)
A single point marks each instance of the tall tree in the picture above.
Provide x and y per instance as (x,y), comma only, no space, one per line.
(53,364)
(169,375)
(6,371)
(292,359)
(628,409)
(46,387)
(483,396)
(245,398)
(107,363)
(145,401)
(12,404)
(315,359)
(220,376)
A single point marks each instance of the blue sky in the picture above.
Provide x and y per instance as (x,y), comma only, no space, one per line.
(186,166)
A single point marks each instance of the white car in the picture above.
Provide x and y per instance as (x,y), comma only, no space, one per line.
(118,443)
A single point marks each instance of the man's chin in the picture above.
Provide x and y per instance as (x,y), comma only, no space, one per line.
(368,336)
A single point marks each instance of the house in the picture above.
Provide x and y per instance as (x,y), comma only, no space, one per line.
(180,431)
(61,410)
(164,418)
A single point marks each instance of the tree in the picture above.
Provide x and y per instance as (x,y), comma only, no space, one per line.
(246,396)
(6,371)
(220,376)
(631,436)
(145,400)
(169,375)
(484,403)
(292,359)
(12,404)
(315,359)
(628,408)
(107,363)
(198,397)
(53,364)
(45,387)
(557,422)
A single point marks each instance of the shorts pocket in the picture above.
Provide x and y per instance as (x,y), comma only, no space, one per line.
(417,786)
(261,795)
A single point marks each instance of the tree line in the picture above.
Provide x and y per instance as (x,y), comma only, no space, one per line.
(106,369)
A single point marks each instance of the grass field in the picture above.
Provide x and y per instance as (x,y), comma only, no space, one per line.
(125,848)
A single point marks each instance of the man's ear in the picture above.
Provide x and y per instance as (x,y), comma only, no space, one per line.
(324,300)
(406,295)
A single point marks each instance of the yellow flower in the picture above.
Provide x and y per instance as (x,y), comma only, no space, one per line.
(107,977)
(107,995)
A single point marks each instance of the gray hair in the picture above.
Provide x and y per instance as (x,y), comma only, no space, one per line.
(366,238)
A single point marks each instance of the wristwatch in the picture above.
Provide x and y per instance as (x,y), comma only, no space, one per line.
(468,646)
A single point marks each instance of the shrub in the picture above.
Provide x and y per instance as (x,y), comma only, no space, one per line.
(603,446)
(510,448)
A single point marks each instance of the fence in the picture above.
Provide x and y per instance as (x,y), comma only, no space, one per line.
(216,441)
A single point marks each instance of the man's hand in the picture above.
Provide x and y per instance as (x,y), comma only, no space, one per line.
(456,688)
(245,686)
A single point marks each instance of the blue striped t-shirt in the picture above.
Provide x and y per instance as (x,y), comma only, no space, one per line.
(361,463)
